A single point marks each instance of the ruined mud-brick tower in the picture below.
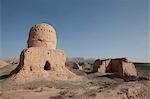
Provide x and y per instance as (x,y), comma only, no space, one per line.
(41,60)
(42,35)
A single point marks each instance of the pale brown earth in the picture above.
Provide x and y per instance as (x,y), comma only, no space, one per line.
(3,64)
(91,86)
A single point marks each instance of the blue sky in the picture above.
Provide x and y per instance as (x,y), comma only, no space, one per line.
(0,28)
(86,28)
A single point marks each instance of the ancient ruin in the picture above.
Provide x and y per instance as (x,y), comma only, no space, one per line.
(77,66)
(41,60)
(42,35)
(120,66)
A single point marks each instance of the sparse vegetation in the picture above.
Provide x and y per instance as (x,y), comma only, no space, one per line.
(92,86)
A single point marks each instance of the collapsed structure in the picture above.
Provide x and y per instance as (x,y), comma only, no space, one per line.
(41,60)
(120,66)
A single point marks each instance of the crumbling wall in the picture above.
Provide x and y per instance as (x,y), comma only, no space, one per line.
(119,66)
(104,66)
(42,35)
(35,59)
(41,60)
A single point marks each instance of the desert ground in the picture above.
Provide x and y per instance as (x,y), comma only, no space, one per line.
(90,85)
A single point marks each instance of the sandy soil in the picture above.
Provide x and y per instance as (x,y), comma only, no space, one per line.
(3,64)
(92,86)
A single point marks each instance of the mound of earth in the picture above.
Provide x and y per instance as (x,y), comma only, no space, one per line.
(3,64)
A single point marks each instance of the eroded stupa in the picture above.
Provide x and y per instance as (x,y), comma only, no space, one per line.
(41,60)
(42,35)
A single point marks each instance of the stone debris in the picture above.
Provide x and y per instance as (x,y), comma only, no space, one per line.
(129,90)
